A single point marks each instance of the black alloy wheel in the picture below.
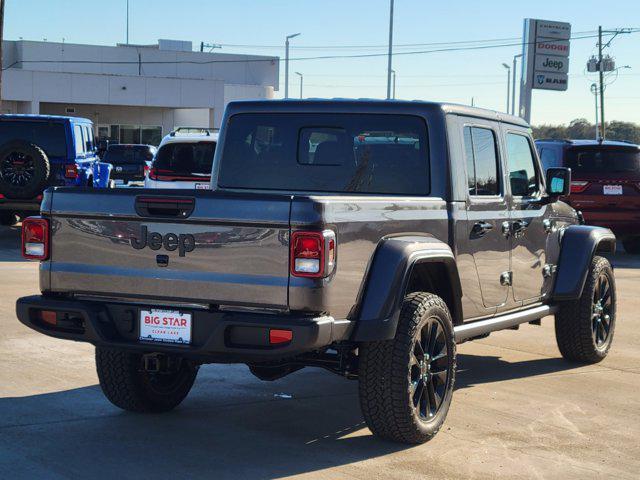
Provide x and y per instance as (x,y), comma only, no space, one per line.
(601,313)
(429,372)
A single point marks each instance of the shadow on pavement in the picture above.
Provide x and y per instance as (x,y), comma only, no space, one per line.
(476,369)
(231,426)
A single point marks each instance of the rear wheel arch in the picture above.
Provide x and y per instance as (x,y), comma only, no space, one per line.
(440,277)
(402,265)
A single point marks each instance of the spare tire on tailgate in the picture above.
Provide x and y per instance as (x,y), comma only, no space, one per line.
(24,169)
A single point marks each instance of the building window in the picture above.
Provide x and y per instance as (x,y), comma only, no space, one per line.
(129,134)
(151,135)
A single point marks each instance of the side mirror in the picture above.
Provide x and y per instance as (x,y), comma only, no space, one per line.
(558,182)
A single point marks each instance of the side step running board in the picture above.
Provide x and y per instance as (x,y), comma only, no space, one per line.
(482,327)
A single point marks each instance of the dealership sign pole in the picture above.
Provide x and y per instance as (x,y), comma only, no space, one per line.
(545,59)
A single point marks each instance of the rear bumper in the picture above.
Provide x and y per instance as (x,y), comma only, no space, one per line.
(217,337)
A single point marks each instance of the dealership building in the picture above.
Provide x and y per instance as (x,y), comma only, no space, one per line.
(132,93)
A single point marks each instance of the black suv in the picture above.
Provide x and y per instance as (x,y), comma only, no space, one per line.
(131,163)
(363,237)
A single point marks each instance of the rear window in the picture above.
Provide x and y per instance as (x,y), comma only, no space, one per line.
(334,153)
(603,160)
(188,157)
(50,136)
(122,154)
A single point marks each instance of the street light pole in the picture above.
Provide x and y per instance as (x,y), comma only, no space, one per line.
(394,83)
(508,83)
(301,78)
(513,84)
(390,49)
(127,22)
(286,64)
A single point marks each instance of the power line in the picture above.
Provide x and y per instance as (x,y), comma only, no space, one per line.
(397,45)
(277,59)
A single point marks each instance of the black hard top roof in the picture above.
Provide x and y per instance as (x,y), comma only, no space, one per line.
(364,105)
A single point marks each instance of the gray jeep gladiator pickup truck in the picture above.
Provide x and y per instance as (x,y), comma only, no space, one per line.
(364,237)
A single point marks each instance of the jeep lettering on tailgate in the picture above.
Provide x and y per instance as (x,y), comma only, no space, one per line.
(170,241)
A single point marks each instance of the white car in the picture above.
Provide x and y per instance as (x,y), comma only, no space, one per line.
(183,160)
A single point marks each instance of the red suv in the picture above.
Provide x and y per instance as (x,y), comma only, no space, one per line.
(605,183)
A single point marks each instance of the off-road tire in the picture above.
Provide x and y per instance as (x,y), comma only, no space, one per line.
(39,177)
(631,245)
(575,321)
(385,374)
(125,383)
(7,218)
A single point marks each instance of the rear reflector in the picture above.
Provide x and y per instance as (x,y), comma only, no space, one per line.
(277,336)
(71,171)
(48,316)
(578,186)
(35,238)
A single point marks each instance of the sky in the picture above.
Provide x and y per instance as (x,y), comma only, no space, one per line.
(342,27)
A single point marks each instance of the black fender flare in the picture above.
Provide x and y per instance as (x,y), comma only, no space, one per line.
(579,244)
(387,279)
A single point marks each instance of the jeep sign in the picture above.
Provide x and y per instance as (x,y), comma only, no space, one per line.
(549,63)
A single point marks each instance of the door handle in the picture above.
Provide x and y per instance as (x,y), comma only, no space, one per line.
(519,226)
(481,227)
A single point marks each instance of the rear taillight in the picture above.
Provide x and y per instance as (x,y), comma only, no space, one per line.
(71,171)
(35,238)
(146,170)
(313,254)
(578,186)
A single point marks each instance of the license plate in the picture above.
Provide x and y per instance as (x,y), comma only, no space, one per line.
(203,186)
(119,181)
(612,189)
(166,326)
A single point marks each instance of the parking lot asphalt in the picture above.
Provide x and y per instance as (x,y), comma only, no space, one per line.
(519,411)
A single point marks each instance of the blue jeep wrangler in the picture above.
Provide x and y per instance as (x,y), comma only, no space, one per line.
(39,151)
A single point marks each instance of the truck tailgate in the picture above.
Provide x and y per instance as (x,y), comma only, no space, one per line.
(232,248)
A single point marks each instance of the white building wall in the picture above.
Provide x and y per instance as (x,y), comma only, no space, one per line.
(110,86)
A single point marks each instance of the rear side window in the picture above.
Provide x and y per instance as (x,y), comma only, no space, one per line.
(77,131)
(50,136)
(482,161)
(603,159)
(359,153)
(523,176)
(187,157)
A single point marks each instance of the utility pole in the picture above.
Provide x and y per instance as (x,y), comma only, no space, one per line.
(286,64)
(1,36)
(601,76)
(390,49)
(301,78)
(594,90)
